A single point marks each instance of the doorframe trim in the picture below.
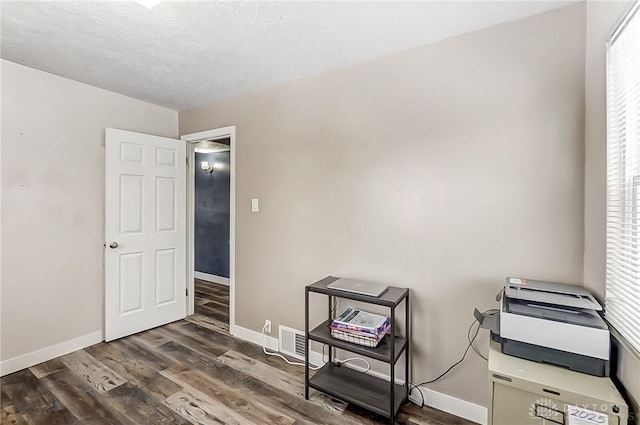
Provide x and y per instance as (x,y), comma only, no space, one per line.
(190,139)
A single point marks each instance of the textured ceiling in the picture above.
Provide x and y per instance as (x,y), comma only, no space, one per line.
(184,54)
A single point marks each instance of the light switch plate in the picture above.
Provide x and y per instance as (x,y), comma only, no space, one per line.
(254,205)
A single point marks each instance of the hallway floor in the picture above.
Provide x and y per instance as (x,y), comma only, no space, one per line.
(212,300)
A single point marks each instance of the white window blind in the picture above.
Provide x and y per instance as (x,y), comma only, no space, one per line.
(623,179)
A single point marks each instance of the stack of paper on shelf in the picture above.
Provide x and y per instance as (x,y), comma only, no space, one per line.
(360,327)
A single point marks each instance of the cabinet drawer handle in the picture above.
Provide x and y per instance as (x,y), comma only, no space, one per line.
(502,378)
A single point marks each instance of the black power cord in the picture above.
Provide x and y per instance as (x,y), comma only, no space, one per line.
(464,355)
(471,340)
(474,347)
(421,405)
(491,312)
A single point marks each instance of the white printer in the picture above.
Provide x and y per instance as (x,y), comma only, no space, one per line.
(554,323)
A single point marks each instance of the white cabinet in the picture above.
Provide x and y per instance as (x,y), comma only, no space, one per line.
(522,392)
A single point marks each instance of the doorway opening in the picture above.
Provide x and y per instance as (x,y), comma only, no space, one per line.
(211,228)
(211,225)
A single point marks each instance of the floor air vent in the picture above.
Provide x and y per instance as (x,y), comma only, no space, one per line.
(292,342)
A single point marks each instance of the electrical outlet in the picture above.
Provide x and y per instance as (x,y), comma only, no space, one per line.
(267,326)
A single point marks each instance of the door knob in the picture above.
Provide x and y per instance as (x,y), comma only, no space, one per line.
(113,245)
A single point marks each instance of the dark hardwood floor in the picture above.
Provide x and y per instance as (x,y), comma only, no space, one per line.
(212,300)
(188,372)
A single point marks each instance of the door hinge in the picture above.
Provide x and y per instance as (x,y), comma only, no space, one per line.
(186,292)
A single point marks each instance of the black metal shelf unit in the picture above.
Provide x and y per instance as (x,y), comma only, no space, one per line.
(367,391)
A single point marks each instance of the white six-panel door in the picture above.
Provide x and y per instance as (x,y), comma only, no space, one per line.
(145,232)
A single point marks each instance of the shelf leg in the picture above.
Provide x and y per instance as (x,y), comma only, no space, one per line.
(392,367)
(407,353)
(306,344)
(330,316)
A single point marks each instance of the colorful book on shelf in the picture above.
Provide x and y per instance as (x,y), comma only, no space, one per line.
(361,321)
(378,336)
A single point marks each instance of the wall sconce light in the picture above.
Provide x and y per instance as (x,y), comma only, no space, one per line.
(206,167)
(149,4)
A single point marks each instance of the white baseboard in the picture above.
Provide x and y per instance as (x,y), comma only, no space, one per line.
(316,358)
(42,355)
(255,337)
(211,278)
(465,409)
(446,403)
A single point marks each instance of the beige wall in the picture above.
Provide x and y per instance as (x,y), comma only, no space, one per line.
(52,202)
(443,168)
(601,17)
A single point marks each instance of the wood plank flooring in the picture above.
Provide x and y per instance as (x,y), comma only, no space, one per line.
(187,372)
(212,300)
